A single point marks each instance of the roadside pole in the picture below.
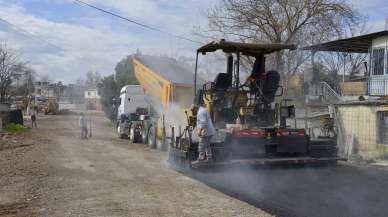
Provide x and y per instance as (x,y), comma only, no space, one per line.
(90,127)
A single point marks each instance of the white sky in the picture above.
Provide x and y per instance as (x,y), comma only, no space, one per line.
(65,40)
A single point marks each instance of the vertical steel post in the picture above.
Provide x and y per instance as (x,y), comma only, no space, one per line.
(343,75)
(172,143)
(163,132)
(195,74)
(369,72)
(238,71)
(314,69)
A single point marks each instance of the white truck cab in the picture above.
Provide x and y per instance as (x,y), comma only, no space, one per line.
(132,98)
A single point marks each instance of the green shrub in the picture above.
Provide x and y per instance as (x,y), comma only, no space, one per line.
(12,127)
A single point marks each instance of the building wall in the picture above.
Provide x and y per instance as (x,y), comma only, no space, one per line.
(354,88)
(360,122)
(91,94)
(74,94)
(93,104)
(44,91)
(380,42)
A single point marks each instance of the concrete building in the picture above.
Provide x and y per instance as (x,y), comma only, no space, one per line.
(45,89)
(364,128)
(92,100)
(361,109)
(73,94)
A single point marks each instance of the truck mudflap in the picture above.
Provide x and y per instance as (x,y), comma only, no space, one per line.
(270,161)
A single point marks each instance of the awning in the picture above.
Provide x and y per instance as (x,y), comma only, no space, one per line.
(358,44)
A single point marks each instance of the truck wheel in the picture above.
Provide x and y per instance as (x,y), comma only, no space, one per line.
(132,136)
(120,135)
(144,133)
(151,137)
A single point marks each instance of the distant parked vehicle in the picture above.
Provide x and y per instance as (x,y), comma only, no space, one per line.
(51,107)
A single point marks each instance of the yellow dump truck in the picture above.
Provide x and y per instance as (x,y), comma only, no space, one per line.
(165,80)
(168,90)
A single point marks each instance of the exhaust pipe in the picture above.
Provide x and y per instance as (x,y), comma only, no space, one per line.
(229,65)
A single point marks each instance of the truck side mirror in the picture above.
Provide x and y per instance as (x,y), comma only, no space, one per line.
(129,99)
(116,101)
(279,91)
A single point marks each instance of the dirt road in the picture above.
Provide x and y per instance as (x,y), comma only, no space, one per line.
(51,172)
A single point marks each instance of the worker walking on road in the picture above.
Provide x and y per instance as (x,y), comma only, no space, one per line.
(205,130)
(32,112)
(83,124)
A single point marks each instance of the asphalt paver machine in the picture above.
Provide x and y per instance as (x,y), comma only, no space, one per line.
(249,118)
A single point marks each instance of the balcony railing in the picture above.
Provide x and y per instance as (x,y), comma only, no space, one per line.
(378,86)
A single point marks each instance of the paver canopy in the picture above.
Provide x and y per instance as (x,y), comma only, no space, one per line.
(249,49)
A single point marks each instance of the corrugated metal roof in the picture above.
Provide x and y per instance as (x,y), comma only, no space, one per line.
(358,44)
(168,68)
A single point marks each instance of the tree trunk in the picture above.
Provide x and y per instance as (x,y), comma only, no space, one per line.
(279,63)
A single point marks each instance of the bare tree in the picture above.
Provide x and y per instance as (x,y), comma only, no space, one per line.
(30,75)
(351,63)
(300,22)
(92,79)
(9,67)
(24,77)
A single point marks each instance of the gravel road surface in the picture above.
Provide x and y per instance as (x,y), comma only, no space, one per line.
(49,171)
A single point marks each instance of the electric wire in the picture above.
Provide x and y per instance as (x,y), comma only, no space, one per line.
(79,2)
(29,34)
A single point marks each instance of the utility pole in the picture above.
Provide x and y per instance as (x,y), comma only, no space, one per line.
(386,23)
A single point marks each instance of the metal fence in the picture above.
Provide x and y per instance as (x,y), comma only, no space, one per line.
(378,86)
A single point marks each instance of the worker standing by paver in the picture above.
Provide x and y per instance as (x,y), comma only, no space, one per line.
(83,124)
(205,130)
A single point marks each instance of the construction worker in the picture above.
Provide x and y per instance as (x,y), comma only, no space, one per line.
(32,112)
(83,124)
(205,130)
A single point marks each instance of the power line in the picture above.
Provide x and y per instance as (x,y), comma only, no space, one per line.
(135,22)
(28,34)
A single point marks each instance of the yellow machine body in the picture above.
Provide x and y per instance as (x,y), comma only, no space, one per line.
(51,107)
(169,97)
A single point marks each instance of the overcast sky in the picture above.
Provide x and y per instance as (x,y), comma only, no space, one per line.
(65,40)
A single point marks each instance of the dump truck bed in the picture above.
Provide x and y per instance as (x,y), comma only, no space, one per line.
(165,80)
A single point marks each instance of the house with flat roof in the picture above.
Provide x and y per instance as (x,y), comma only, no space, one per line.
(375,45)
(361,108)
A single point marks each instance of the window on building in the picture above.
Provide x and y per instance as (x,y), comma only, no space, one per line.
(378,61)
(382,127)
(89,93)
